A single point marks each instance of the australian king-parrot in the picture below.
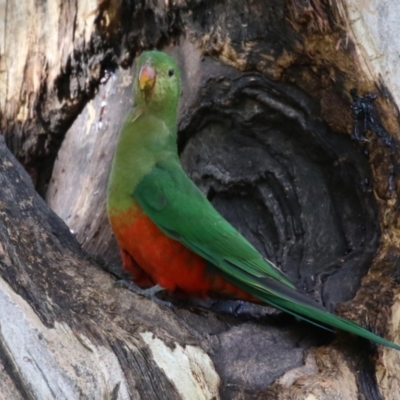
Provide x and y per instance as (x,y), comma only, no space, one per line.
(168,233)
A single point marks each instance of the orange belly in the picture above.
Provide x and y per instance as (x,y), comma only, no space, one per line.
(156,258)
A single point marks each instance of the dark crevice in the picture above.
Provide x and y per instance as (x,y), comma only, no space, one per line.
(366,380)
(262,152)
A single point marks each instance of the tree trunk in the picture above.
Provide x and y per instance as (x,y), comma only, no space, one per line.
(270,133)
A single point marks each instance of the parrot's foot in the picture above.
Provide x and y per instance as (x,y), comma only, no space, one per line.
(150,293)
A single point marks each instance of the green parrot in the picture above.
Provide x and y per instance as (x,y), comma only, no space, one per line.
(168,233)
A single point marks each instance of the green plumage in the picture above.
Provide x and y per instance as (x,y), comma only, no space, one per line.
(182,212)
(153,175)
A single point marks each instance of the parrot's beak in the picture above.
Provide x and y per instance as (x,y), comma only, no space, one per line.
(147,77)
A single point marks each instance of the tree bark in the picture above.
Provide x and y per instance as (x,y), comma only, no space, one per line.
(266,127)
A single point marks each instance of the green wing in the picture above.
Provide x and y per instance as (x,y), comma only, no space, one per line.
(181,211)
(178,207)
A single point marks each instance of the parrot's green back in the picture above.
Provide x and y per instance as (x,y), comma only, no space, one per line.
(147,176)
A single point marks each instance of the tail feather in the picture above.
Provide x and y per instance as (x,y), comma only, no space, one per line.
(317,316)
(292,301)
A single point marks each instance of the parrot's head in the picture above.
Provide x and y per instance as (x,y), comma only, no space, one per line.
(157,80)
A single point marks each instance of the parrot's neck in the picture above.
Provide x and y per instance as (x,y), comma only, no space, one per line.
(162,110)
(145,139)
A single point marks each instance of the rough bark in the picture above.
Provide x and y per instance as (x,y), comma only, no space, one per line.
(265,131)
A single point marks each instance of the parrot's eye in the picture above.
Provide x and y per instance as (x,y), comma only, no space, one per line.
(171,72)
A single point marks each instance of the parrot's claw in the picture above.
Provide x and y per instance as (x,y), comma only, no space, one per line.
(150,293)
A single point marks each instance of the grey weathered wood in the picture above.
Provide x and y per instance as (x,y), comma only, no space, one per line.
(66,329)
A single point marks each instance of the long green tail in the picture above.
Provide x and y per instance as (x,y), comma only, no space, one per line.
(314,315)
(292,301)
